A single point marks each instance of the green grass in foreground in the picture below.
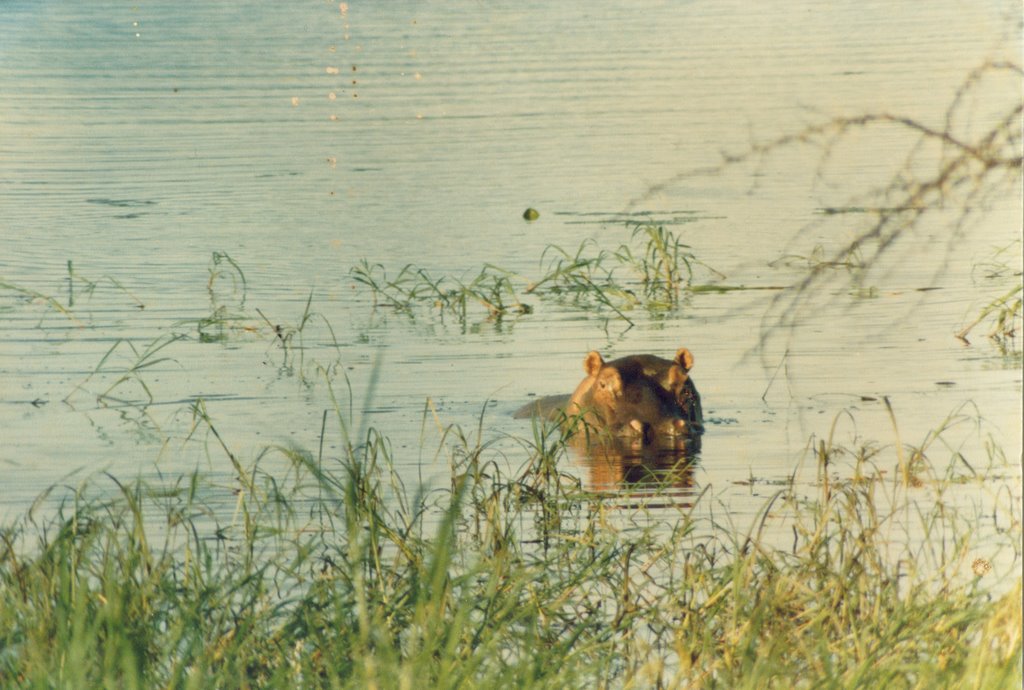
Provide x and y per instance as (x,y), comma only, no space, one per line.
(330,574)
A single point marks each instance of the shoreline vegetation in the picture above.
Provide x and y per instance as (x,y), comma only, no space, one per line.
(330,573)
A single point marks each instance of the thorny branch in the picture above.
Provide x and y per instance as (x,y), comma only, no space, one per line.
(964,176)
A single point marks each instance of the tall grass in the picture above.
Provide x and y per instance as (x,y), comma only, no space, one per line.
(311,571)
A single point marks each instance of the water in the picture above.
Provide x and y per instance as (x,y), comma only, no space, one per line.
(136,141)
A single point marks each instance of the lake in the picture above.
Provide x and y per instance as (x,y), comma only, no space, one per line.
(166,163)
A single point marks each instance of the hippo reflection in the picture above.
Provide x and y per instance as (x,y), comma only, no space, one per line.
(608,467)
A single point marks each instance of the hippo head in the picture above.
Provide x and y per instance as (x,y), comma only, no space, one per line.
(622,398)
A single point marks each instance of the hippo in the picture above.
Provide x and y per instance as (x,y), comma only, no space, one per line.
(674,376)
(638,396)
(621,399)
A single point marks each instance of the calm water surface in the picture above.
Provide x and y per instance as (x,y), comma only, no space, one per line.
(136,141)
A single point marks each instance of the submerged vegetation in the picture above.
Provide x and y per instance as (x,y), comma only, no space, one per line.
(329,573)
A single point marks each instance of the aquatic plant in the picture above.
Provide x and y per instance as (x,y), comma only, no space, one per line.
(491,288)
(664,265)
(657,270)
(291,340)
(125,363)
(585,278)
(228,289)
(86,287)
(1003,312)
(34,296)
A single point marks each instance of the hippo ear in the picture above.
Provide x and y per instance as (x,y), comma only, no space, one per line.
(684,359)
(593,363)
(676,378)
(609,378)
